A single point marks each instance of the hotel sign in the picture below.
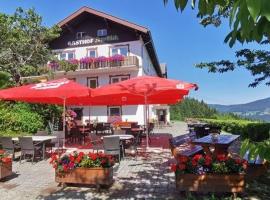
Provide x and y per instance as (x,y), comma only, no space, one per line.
(97,40)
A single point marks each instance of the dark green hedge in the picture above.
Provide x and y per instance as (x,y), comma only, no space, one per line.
(255,131)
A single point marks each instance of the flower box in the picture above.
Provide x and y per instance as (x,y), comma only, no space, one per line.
(83,168)
(205,173)
(5,170)
(234,183)
(90,176)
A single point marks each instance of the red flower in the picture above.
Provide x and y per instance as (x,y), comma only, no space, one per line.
(245,164)
(65,168)
(208,160)
(197,157)
(93,156)
(194,163)
(81,154)
(2,151)
(222,157)
(6,160)
(238,161)
(183,159)
(173,167)
(71,158)
(182,166)
(78,159)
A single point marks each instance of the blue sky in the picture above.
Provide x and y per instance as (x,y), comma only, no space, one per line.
(179,40)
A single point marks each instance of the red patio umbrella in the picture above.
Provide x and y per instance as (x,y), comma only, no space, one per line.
(62,92)
(143,90)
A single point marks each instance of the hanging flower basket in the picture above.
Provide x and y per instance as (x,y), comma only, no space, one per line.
(210,174)
(5,165)
(80,168)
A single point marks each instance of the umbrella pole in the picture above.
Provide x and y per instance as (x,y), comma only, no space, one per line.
(145,121)
(64,123)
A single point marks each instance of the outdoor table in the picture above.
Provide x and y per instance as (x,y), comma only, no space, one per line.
(40,139)
(220,144)
(123,137)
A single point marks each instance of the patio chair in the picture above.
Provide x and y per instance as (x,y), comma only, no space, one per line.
(41,133)
(76,135)
(9,146)
(112,146)
(28,148)
(96,142)
(58,142)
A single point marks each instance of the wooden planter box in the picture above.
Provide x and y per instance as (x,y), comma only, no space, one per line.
(89,176)
(5,170)
(234,183)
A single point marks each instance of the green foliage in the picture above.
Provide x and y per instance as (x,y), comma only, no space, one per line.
(256,148)
(19,118)
(67,66)
(255,61)
(4,80)
(248,19)
(24,42)
(191,108)
(253,130)
(23,119)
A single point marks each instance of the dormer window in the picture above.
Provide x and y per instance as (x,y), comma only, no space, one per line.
(80,35)
(101,32)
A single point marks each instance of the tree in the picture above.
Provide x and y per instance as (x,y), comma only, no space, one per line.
(256,61)
(248,19)
(24,43)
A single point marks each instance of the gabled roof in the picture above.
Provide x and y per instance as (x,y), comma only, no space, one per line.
(145,32)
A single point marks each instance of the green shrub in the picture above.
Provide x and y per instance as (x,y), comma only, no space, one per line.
(19,119)
(253,130)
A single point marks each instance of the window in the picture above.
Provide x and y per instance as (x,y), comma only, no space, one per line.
(102,32)
(114,111)
(92,82)
(92,53)
(116,79)
(66,55)
(80,35)
(121,50)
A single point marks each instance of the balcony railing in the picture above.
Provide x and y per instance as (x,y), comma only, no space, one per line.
(100,63)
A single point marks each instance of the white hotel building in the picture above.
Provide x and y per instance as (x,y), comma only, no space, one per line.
(91,33)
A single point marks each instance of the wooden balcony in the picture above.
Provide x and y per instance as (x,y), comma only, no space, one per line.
(128,61)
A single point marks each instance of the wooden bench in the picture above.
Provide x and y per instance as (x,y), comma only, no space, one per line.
(181,145)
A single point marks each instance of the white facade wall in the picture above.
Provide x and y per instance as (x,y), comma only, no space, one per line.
(129,113)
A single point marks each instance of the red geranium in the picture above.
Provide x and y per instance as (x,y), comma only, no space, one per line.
(173,167)
(222,157)
(6,160)
(208,160)
(183,159)
(182,166)
(197,157)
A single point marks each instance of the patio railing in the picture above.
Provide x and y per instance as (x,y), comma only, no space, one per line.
(103,63)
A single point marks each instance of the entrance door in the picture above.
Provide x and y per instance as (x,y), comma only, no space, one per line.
(161,114)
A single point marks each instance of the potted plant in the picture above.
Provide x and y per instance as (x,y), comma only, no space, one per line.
(219,173)
(5,164)
(83,168)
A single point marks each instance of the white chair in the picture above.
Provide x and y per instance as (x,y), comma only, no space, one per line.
(28,148)
(112,146)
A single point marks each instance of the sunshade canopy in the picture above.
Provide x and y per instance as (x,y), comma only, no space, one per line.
(142,90)
(51,92)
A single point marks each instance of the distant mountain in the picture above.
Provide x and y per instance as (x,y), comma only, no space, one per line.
(259,109)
